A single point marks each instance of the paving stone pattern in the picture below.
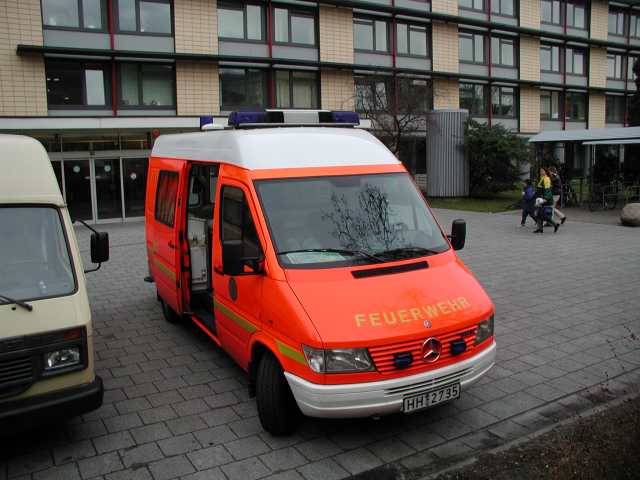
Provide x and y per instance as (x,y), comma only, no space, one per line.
(568,333)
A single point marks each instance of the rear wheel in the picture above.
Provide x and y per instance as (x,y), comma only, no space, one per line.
(169,313)
(277,409)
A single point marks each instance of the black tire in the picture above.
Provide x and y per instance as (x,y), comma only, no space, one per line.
(169,313)
(278,411)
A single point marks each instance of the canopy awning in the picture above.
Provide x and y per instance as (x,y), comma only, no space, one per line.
(628,141)
(587,135)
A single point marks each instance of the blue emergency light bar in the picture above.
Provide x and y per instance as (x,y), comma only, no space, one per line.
(282,118)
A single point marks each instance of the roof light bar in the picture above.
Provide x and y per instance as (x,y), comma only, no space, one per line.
(281,118)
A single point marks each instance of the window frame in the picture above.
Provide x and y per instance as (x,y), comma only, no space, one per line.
(265,88)
(290,74)
(607,119)
(560,15)
(617,12)
(372,19)
(293,11)
(473,35)
(80,28)
(514,104)
(513,41)
(119,31)
(427,32)
(499,11)
(585,65)
(139,66)
(245,201)
(565,102)
(243,7)
(578,4)
(634,25)
(473,9)
(486,100)
(630,61)
(560,106)
(176,176)
(620,57)
(560,57)
(106,76)
(370,83)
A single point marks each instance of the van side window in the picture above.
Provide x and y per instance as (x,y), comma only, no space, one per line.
(237,223)
(166,197)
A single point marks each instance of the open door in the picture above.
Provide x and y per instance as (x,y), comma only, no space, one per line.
(164,250)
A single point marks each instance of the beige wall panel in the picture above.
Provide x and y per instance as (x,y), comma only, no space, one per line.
(197,88)
(22,81)
(530,58)
(597,67)
(196,26)
(337,90)
(445,47)
(445,6)
(599,19)
(596,117)
(446,94)
(336,34)
(529,110)
(530,14)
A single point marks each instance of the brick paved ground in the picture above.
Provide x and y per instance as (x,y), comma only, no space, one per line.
(568,333)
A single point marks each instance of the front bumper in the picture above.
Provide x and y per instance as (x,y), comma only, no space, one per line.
(386,396)
(30,411)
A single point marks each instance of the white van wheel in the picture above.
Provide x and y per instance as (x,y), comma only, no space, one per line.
(277,409)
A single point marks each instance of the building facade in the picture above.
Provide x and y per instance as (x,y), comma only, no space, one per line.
(96,80)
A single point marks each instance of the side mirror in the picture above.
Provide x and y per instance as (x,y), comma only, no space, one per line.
(99,247)
(458,234)
(233,263)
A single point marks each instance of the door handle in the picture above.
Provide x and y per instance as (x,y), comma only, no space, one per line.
(171,244)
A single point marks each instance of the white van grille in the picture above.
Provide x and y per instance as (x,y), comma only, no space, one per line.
(15,372)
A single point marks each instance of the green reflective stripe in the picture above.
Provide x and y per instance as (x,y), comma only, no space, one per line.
(166,270)
(244,324)
(291,352)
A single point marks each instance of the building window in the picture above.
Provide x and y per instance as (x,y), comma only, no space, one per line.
(414,95)
(616,22)
(576,14)
(502,52)
(147,85)
(615,108)
(503,101)
(550,58)
(243,88)
(575,61)
(166,197)
(614,66)
(472,4)
(473,97)
(370,35)
(411,39)
(76,84)
(576,106)
(240,22)
(471,48)
(292,26)
(550,12)
(371,94)
(145,16)
(550,105)
(630,62)
(635,26)
(505,8)
(73,14)
(296,89)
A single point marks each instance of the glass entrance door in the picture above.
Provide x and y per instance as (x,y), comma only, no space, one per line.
(134,179)
(108,188)
(77,182)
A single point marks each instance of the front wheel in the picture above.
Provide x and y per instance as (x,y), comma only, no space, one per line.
(169,313)
(277,409)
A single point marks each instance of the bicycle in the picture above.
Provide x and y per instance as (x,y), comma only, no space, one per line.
(569,196)
(604,197)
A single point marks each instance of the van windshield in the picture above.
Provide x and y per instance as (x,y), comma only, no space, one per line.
(34,254)
(348,220)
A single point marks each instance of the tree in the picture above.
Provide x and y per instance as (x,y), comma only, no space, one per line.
(395,106)
(496,156)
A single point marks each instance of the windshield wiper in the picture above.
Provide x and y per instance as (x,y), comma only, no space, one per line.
(337,250)
(405,251)
(25,305)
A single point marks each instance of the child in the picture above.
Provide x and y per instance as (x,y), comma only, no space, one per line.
(528,202)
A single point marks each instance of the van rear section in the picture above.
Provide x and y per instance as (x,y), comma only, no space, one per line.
(309,255)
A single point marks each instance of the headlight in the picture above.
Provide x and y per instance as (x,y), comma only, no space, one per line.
(341,360)
(485,330)
(65,357)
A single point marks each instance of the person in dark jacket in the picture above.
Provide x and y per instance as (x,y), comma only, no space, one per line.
(528,202)
(556,188)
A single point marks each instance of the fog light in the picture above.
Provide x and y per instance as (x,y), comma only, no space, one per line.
(65,357)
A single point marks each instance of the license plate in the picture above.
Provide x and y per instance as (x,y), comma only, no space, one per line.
(431,398)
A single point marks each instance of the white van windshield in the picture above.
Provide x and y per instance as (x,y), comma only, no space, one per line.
(348,220)
(34,254)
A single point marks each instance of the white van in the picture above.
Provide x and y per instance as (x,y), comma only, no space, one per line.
(46,346)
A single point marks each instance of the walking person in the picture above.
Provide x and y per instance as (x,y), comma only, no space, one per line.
(528,202)
(556,188)
(544,185)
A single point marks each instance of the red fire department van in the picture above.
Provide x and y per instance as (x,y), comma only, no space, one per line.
(302,247)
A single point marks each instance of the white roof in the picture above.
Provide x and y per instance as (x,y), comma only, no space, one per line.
(26,174)
(589,134)
(284,147)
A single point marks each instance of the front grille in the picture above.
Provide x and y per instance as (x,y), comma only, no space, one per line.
(383,356)
(15,372)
